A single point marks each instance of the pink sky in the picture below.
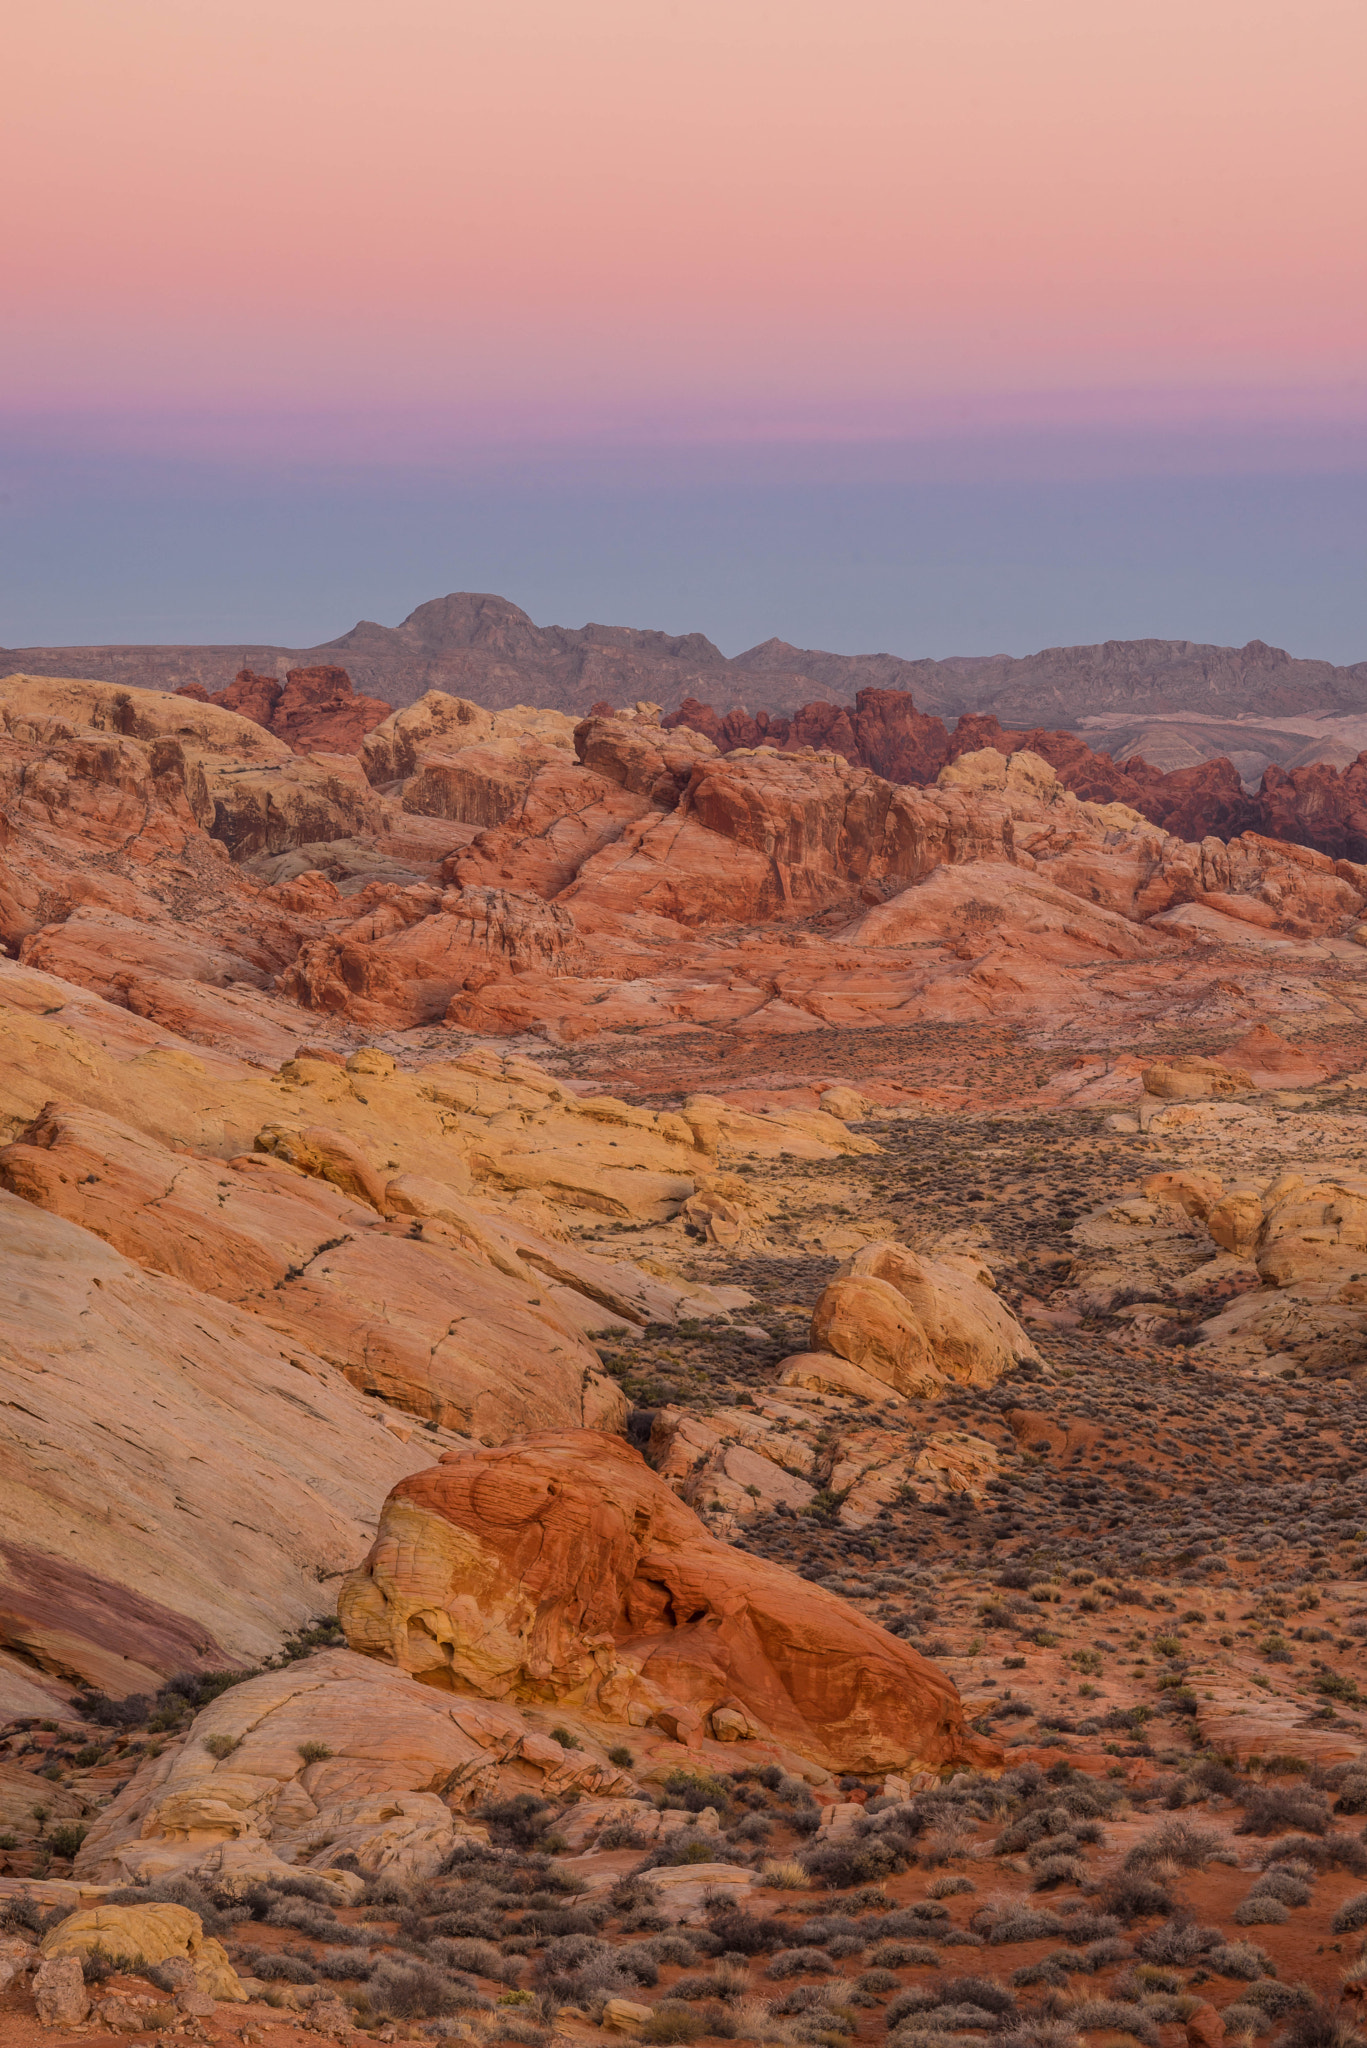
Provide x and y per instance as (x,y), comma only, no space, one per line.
(787,217)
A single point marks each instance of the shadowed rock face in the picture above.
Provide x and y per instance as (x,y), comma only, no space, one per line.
(559,1567)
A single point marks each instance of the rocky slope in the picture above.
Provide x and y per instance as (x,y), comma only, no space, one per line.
(644,1388)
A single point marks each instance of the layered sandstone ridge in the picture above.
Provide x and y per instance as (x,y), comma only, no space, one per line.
(253,1298)
(509,873)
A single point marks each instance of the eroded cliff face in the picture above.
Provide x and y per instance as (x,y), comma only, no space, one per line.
(625,1290)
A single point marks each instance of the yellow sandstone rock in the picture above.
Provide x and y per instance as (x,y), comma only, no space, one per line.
(156,1932)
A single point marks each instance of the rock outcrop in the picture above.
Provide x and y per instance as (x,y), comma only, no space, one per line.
(160,1933)
(914,1323)
(562,1568)
(314,711)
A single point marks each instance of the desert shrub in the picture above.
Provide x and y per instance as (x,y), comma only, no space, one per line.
(1277,1999)
(786,1874)
(1055,1870)
(343,1965)
(1050,1971)
(1238,1959)
(915,1919)
(1182,1842)
(903,1955)
(670,2023)
(1331,1852)
(875,1981)
(1318,2025)
(1037,1825)
(794,1962)
(1270,1808)
(988,1994)
(959,2019)
(1038,2031)
(481,1959)
(176,1891)
(1351,1915)
(745,1934)
(918,1998)
(1080,1928)
(674,1947)
(1259,1909)
(1242,2018)
(1352,1793)
(1178,1941)
(517,1823)
(1021,1924)
(824,1928)
(865,1859)
(753,1828)
(949,1887)
(694,1988)
(1282,1884)
(571,1952)
(686,1845)
(1099,1955)
(1132,1898)
(67,1838)
(1116,2015)
(276,1968)
(696,1790)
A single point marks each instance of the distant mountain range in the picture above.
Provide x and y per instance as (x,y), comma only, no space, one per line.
(481,646)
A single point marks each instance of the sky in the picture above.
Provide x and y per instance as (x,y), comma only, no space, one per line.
(938,325)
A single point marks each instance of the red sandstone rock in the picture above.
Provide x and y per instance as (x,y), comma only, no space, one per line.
(315,710)
(1318,806)
(566,815)
(251,696)
(641,759)
(562,1566)
(1205,2028)
(318,712)
(896,740)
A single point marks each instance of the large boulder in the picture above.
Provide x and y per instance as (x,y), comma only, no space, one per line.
(59,1992)
(914,1323)
(562,1568)
(1190,1078)
(161,1933)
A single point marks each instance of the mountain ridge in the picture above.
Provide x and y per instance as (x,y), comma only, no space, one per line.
(479,645)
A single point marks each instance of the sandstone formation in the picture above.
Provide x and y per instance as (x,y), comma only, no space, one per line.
(164,1510)
(1318,803)
(315,710)
(608,894)
(1190,1077)
(158,1932)
(561,1568)
(914,1323)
